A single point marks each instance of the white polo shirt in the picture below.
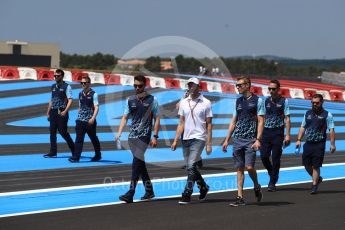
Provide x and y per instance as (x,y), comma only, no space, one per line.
(195,113)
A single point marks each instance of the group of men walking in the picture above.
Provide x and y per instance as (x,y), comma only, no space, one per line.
(57,114)
(257,125)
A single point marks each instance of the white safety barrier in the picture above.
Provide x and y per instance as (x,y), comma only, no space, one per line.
(157,82)
(296,93)
(96,77)
(265,91)
(27,73)
(126,79)
(214,86)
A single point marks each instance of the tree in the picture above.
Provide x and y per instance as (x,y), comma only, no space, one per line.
(153,64)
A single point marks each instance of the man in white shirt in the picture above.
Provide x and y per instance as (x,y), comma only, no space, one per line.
(196,125)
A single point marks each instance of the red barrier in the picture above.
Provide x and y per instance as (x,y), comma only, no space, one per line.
(203,86)
(9,72)
(309,93)
(285,92)
(77,76)
(228,88)
(148,82)
(172,83)
(256,90)
(45,75)
(336,95)
(299,84)
(112,79)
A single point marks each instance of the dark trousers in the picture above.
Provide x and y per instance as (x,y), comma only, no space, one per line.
(138,147)
(272,143)
(81,128)
(59,123)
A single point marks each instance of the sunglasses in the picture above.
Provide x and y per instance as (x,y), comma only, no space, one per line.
(138,86)
(272,89)
(57,75)
(84,83)
(240,85)
(316,102)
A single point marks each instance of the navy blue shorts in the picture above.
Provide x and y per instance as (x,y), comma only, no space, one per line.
(313,154)
(243,154)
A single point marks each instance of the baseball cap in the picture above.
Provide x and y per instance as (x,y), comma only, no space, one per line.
(193,80)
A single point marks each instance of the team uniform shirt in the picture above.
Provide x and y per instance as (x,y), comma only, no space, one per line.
(316,125)
(142,111)
(87,102)
(247,110)
(60,95)
(195,112)
(275,112)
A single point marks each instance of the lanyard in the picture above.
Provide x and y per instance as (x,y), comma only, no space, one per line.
(192,110)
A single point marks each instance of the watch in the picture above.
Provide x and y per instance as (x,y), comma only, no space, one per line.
(156,136)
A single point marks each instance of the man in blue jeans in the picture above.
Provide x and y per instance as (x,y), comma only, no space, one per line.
(246,125)
(199,163)
(314,125)
(143,109)
(277,116)
(57,113)
(196,125)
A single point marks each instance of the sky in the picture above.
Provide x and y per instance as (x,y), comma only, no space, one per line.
(301,29)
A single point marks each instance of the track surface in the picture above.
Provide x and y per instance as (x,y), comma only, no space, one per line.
(290,207)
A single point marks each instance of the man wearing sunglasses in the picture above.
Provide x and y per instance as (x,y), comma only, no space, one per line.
(196,125)
(246,125)
(86,121)
(57,113)
(276,112)
(143,109)
(314,125)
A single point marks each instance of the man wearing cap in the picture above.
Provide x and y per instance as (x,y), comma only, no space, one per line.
(277,116)
(199,163)
(315,123)
(143,109)
(246,125)
(57,113)
(86,121)
(196,125)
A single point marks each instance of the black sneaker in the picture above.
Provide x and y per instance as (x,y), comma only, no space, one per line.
(73,160)
(271,188)
(314,189)
(238,202)
(185,199)
(148,196)
(258,193)
(96,158)
(50,155)
(203,192)
(127,197)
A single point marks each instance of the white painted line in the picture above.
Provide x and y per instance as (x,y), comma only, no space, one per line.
(137,201)
(154,180)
